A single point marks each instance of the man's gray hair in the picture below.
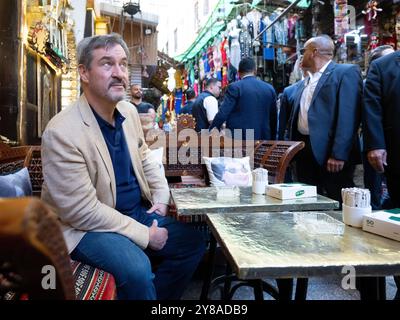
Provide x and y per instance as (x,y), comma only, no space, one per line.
(87,45)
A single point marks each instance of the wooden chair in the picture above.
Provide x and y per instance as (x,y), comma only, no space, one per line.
(30,239)
(275,156)
(185,121)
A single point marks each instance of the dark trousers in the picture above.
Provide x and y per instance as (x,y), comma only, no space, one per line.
(393,185)
(310,172)
(131,267)
(373,181)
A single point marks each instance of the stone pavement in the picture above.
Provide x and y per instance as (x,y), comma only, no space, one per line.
(318,289)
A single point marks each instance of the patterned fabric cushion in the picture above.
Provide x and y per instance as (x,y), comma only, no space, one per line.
(17,184)
(92,283)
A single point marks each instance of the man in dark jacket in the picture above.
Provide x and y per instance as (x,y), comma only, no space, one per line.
(326,117)
(205,106)
(249,104)
(381,120)
(287,100)
(191,98)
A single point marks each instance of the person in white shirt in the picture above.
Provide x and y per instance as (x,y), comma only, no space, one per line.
(206,105)
(326,116)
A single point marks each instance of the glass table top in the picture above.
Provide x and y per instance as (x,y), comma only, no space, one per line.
(300,244)
(195,201)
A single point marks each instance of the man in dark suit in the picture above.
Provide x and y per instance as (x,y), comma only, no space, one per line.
(326,117)
(249,104)
(287,99)
(381,120)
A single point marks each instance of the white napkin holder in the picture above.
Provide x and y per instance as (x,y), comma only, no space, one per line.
(354,216)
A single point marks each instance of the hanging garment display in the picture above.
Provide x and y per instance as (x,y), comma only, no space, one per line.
(255,17)
(292,26)
(224,81)
(280,31)
(235,47)
(269,35)
(196,87)
(210,58)
(268,39)
(246,48)
(205,62)
(341,19)
(217,55)
(371,10)
(202,72)
(171,79)
(224,48)
(178,79)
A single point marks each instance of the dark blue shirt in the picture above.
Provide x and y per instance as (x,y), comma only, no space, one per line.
(128,189)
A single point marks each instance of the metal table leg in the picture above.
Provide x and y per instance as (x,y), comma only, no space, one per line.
(372,288)
(285,288)
(210,268)
(301,289)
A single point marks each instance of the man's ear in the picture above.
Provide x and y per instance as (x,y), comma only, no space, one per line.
(83,73)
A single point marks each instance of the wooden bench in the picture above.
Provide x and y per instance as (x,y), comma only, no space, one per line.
(275,156)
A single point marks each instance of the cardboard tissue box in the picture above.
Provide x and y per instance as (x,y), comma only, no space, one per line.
(286,191)
(385,223)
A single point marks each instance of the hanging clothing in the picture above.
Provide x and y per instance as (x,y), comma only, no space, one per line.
(224,47)
(246,48)
(202,73)
(210,58)
(224,81)
(235,51)
(217,56)
(255,17)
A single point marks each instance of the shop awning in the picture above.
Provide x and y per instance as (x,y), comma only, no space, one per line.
(215,23)
(301,4)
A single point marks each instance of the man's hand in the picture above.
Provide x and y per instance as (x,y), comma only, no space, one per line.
(377,159)
(159,208)
(334,165)
(157,236)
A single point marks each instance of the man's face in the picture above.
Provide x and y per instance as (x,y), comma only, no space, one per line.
(137,92)
(215,89)
(107,76)
(308,53)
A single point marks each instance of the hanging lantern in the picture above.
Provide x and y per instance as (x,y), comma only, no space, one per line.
(131,8)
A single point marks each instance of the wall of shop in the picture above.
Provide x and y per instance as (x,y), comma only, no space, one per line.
(9,47)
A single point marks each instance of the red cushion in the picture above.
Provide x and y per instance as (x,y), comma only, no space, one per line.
(92,283)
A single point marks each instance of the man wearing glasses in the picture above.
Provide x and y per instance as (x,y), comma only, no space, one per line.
(326,117)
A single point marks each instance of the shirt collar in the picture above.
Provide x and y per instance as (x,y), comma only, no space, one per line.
(119,119)
(248,75)
(318,74)
(322,70)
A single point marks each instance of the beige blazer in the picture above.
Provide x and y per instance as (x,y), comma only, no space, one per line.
(79,181)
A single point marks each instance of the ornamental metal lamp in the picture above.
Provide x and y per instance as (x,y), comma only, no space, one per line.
(131,8)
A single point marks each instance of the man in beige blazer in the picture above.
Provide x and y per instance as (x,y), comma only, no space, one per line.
(107,190)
